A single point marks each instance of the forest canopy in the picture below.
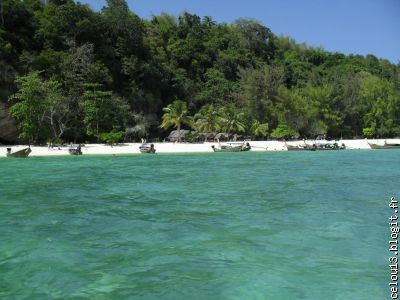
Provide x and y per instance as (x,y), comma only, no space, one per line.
(69,73)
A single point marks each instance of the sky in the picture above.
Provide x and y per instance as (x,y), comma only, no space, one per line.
(347,26)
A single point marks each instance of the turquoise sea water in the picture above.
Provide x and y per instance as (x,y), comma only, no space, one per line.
(255,225)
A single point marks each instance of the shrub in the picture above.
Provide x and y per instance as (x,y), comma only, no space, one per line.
(112,137)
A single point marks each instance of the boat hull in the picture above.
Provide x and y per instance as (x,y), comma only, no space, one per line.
(299,148)
(75,152)
(386,146)
(328,147)
(20,154)
(227,150)
(230,148)
(147,149)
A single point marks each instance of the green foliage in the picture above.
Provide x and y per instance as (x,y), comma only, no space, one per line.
(381,105)
(369,132)
(283,131)
(95,105)
(207,119)
(191,137)
(258,38)
(175,115)
(295,110)
(38,107)
(60,23)
(98,70)
(232,119)
(216,88)
(324,102)
(102,110)
(259,129)
(112,137)
(258,91)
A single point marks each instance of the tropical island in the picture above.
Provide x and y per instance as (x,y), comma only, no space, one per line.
(72,74)
(156,208)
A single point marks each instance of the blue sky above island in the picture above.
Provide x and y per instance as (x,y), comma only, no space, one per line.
(347,26)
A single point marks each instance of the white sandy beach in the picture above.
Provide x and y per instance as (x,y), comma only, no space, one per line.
(133,148)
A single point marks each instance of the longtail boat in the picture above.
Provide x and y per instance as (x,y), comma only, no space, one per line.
(330,146)
(304,147)
(75,149)
(147,148)
(21,153)
(385,146)
(232,147)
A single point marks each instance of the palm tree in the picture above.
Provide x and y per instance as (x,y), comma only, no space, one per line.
(175,115)
(207,119)
(232,119)
(259,129)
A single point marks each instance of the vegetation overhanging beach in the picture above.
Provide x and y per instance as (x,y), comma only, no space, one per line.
(127,221)
(74,74)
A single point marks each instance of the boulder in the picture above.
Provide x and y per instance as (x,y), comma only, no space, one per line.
(174,135)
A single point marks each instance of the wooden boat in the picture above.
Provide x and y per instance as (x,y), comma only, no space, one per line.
(147,148)
(329,146)
(21,153)
(75,150)
(385,146)
(232,147)
(316,147)
(304,147)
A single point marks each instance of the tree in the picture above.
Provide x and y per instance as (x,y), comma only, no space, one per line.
(140,66)
(258,38)
(58,109)
(258,91)
(140,128)
(295,110)
(64,21)
(175,115)
(283,131)
(232,120)
(369,132)
(323,98)
(259,129)
(207,119)
(39,109)
(94,106)
(103,111)
(216,89)
(112,137)
(380,105)
(78,68)
(123,31)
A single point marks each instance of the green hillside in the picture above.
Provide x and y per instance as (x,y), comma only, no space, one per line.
(71,73)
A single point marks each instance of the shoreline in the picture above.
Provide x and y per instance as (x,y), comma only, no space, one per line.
(169,147)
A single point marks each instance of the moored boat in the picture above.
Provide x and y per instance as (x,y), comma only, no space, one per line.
(385,146)
(329,146)
(315,147)
(304,147)
(147,148)
(21,153)
(75,150)
(232,147)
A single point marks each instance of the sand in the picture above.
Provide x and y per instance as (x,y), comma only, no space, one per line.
(133,148)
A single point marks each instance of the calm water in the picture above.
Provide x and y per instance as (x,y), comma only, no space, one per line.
(198,226)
